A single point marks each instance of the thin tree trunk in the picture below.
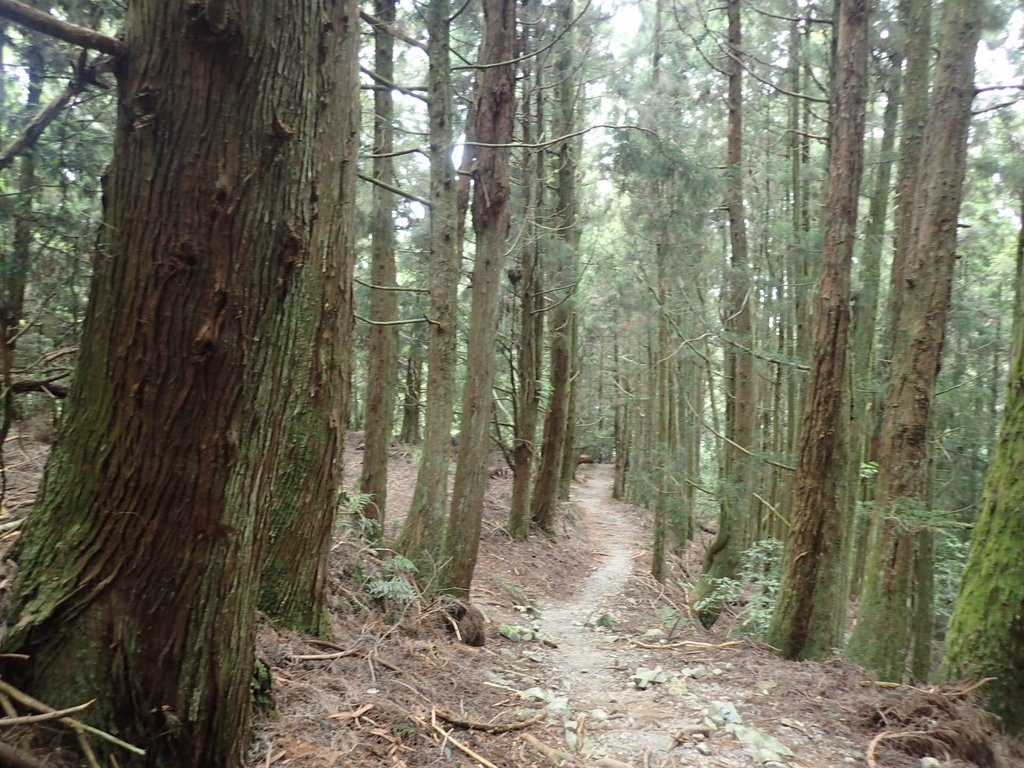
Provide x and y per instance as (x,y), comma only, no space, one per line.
(412,393)
(495,114)
(528,410)
(14,267)
(420,537)
(862,333)
(735,524)
(881,637)
(381,369)
(806,622)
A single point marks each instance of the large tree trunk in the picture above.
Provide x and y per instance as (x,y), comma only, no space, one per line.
(421,533)
(881,637)
(140,564)
(986,633)
(495,113)
(306,406)
(806,622)
(381,368)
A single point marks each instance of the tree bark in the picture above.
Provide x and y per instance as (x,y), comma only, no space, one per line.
(307,404)
(880,640)
(806,622)
(140,563)
(420,537)
(736,526)
(495,113)
(381,369)
(986,633)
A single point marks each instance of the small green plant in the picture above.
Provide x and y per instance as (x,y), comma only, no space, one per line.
(721,591)
(756,588)
(350,517)
(394,581)
(950,558)
(761,572)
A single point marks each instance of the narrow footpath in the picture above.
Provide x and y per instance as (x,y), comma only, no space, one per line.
(613,721)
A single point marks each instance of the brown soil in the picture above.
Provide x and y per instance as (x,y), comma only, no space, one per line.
(393,686)
(409,695)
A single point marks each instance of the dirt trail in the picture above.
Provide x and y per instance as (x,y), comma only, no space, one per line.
(616,537)
(590,666)
(592,670)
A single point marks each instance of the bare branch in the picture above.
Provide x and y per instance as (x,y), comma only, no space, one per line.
(804,19)
(35,129)
(416,92)
(35,19)
(412,321)
(392,30)
(559,139)
(531,54)
(390,287)
(396,190)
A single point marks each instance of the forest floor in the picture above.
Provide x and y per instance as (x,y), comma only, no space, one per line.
(588,663)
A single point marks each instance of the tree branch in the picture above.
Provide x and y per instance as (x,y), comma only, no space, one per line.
(390,287)
(368,321)
(35,19)
(396,190)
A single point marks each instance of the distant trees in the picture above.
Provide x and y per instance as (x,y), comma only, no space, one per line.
(714,331)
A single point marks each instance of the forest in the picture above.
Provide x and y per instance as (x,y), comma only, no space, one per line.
(322,322)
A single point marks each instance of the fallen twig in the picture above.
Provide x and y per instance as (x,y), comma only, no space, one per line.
(37,705)
(453,741)
(325,656)
(685,643)
(491,727)
(551,754)
(57,714)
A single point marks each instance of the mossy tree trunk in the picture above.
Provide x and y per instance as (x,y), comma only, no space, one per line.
(986,632)
(881,638)
(308,403)
(140,564)
(806,622)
